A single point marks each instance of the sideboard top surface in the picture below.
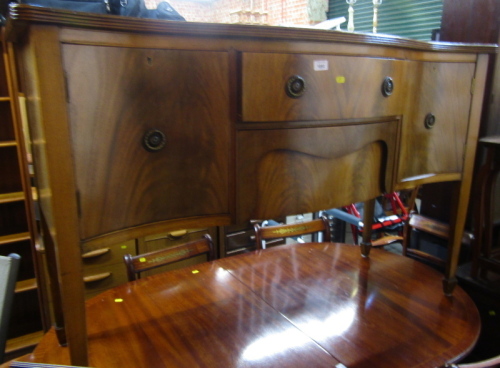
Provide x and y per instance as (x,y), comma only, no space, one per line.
(21,14)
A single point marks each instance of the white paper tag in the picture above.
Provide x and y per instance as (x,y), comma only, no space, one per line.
(320,65)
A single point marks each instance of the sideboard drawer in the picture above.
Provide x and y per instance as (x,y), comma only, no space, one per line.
(335,87)
(99,279)
(103,268)
(107,255)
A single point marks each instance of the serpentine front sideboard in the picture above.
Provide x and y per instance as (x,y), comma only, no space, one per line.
(143,126)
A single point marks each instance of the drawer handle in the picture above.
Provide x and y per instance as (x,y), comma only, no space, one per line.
(178,234)
(429,121)
(387,86)
(95,253)
(295,86)
(98,277)
(154,140)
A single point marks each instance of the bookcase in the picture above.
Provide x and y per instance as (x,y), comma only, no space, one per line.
(17,222)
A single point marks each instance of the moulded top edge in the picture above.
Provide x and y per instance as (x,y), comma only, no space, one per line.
(21,14)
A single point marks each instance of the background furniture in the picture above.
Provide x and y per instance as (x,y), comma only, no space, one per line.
(8,276)
(264,233)
(17,221)
(386,222)
(312,304)
(144,262)
(418,223)
(485,253)
(474,21)
(192,137)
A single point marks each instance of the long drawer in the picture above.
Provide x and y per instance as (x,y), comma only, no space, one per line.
(292,87)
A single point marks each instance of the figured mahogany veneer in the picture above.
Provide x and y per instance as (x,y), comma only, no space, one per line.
(148,126)
(313,304)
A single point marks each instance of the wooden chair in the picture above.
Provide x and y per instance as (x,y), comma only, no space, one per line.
(382,223)
(489,363)
(430,226)
(9,267)
(263,233)
(147,261)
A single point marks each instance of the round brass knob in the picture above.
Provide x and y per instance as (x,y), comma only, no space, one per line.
(387,86)
(429,121)
(154,140)
(295,86)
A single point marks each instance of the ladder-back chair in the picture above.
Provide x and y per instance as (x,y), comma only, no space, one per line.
(163,257)
(263,233)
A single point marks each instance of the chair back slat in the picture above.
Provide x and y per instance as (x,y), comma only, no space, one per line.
(291,230)
(147,261)
(430,226)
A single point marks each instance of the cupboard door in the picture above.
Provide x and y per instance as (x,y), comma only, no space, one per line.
(334,87)
(150,134)
(435,133)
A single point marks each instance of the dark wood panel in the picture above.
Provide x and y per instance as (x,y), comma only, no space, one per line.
(475,21)
(183,94)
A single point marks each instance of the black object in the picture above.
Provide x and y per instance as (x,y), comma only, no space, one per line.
(387,86)
(295,86)
(154,140)
(127,8)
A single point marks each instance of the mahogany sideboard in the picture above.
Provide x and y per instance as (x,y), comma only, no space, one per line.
(143,126)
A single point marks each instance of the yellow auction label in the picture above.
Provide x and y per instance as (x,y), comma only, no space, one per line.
(340,79)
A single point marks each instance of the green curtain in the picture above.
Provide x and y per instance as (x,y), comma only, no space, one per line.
(414,19)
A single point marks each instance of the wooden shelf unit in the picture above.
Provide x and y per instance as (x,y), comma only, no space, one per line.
(17,224)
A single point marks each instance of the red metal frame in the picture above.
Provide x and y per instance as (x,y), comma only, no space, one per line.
(397,208)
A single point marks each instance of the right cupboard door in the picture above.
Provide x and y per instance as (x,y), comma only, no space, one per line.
(435,130)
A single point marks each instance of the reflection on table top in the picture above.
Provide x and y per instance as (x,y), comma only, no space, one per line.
(313,304)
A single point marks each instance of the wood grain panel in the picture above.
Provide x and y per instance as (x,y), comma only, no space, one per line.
(337,87)
(185,95)
(282,172)
(440,150)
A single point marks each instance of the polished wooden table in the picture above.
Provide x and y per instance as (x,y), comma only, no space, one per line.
(313,304)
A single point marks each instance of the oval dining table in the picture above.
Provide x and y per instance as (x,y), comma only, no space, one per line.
(298,305)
